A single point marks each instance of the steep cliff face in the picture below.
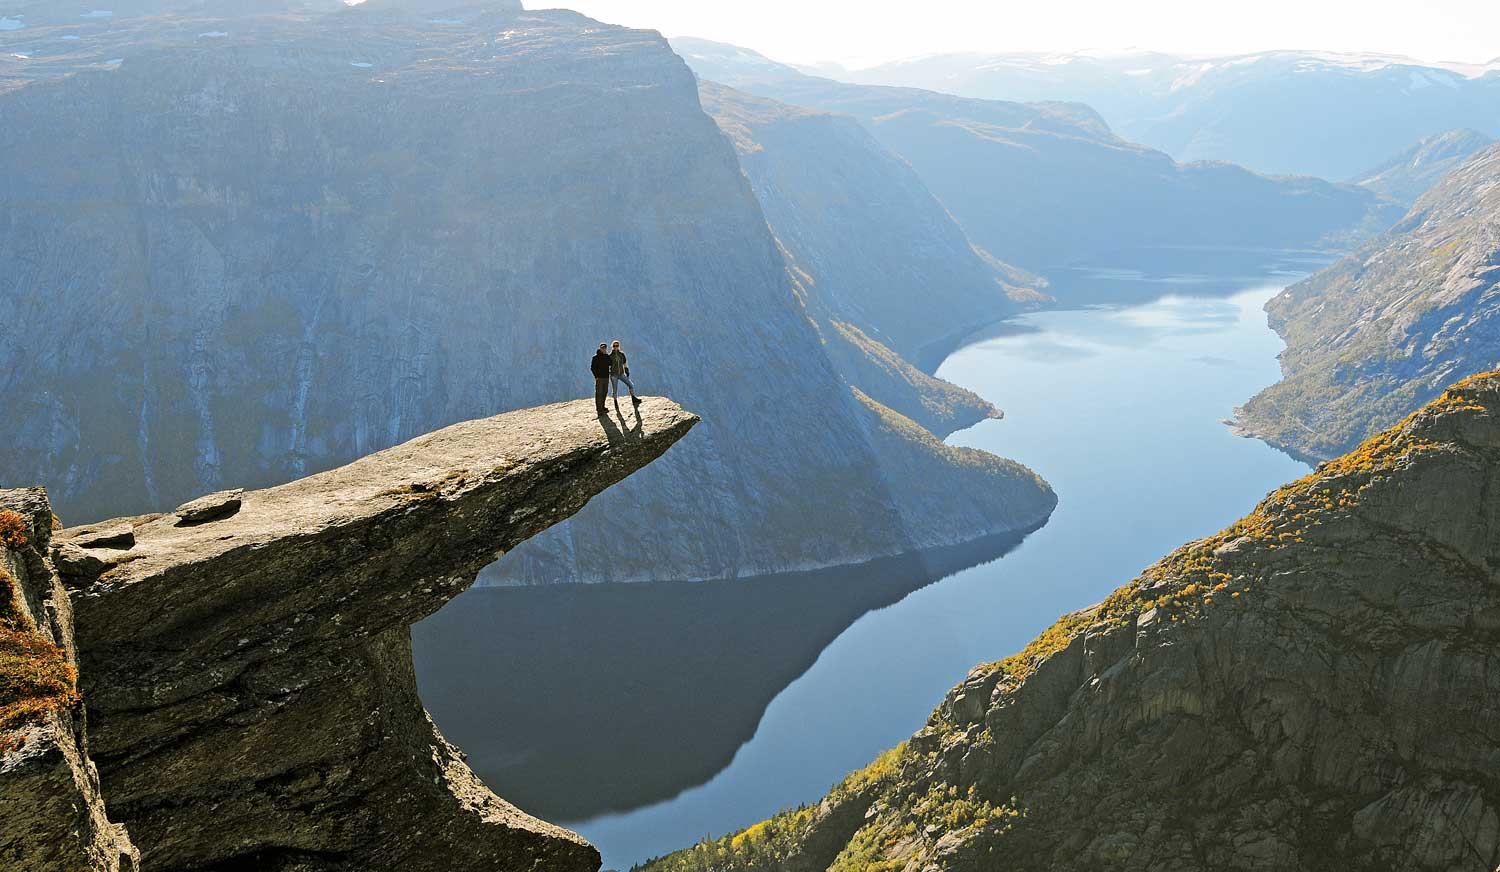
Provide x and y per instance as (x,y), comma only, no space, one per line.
(314,238)
(884,254)
(246,663)
(1417,170)
(1381,332)
(1045,185)
(1313,688)
(52,813)
(888,275)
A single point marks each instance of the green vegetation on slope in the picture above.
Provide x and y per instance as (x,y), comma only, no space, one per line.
(1381,332)
(777,843)
(939,406)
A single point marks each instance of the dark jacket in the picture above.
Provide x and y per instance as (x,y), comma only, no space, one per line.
(600,364)
(618,365)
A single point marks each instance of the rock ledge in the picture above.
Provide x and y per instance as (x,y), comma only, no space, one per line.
(248,677)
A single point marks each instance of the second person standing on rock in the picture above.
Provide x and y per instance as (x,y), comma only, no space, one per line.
(619,371)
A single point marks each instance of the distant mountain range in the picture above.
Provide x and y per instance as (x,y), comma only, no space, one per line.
(39,13)
(1324,114)
(1048,185)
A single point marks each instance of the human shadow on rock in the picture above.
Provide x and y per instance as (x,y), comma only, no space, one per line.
(579,700)
(627,429)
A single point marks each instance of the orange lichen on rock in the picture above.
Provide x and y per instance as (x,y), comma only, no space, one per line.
(12,529)
(35,675)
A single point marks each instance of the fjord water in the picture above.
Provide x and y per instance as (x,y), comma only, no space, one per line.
(648,717)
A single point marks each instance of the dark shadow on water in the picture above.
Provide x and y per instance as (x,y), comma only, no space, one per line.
(578,700)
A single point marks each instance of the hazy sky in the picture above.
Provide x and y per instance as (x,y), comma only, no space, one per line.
(868,31)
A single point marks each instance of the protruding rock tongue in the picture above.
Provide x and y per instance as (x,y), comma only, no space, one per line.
(257,662)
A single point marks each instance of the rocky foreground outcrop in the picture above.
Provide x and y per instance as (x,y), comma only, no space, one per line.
(52,813)
(1313,688)
(1378,334)
(245,662)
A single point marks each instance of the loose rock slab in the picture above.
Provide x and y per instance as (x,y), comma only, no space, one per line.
(211,507)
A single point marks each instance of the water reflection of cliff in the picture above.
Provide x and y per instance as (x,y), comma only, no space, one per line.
(577,700)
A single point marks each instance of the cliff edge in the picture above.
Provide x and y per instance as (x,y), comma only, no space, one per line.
(245,661)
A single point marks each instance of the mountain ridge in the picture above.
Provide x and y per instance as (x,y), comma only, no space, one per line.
(885,271)
(1263,110)
(1379,333)
(1414,172)
(1048,186)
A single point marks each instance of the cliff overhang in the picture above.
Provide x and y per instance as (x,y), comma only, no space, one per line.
(246,665)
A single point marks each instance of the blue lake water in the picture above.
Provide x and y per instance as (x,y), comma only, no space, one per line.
(648,718)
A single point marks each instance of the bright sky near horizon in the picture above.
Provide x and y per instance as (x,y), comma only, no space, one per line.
(858,32)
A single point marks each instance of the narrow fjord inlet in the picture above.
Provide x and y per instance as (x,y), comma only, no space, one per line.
(775,436)
(1121,408)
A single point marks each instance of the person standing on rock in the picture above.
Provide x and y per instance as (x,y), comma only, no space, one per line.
(619,371)
(599,366)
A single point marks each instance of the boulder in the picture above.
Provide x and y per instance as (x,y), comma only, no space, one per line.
(210,508)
